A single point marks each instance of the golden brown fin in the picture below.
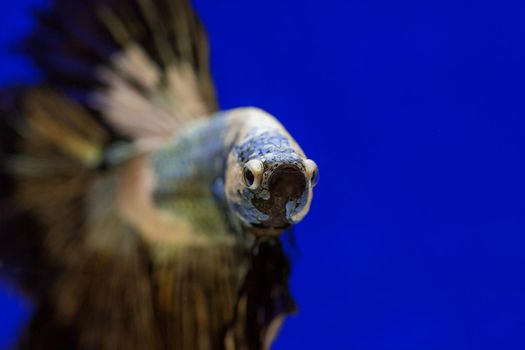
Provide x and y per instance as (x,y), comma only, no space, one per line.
(141,64)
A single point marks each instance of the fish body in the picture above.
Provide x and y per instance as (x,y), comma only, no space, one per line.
(207,155)
(156,216)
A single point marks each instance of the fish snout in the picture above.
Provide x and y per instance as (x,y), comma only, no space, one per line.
(287,187)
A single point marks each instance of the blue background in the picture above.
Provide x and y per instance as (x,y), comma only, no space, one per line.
(415,113)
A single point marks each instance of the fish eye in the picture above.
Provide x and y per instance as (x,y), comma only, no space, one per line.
(253,171)
(315,177)
(249,178)
(312,171)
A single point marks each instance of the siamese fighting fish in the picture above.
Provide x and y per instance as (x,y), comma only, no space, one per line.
(137,214)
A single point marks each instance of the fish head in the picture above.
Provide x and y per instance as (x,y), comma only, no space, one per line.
(269,182)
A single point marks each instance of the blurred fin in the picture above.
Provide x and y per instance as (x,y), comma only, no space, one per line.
(141,64)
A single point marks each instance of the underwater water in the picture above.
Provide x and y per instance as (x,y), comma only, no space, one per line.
(414,112)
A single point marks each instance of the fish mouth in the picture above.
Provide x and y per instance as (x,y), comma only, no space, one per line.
(286,185)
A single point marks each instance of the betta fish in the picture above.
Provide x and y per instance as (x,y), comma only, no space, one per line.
(138,214)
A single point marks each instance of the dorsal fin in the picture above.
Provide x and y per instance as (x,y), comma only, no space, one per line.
(141,64)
